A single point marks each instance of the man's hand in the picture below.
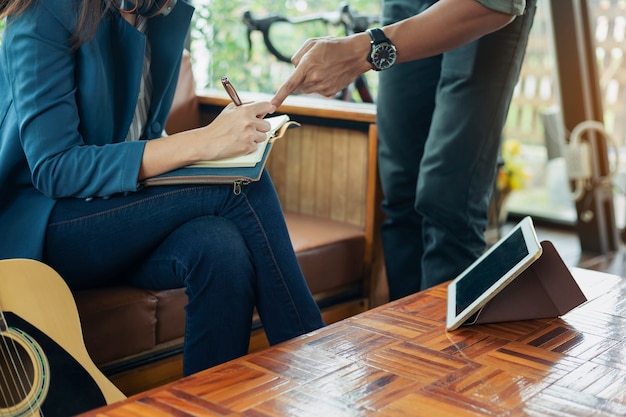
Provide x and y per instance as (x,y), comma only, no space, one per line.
(326,65)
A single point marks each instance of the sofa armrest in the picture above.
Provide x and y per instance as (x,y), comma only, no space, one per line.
(184,113)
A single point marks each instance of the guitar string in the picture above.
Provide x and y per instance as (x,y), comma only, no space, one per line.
(16,373)
(8,350)
(7,393)
(10,363)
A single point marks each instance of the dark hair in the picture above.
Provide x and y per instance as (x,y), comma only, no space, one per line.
(91,11)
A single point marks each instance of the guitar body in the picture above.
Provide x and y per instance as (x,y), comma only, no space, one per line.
(45,367)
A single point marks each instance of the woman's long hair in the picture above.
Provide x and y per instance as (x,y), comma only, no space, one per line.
(89,15)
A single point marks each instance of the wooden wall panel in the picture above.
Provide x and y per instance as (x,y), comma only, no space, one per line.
(356,206)
(341,158)
(324,175)
(322,171)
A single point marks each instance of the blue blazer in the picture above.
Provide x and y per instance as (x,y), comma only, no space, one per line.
(64,113)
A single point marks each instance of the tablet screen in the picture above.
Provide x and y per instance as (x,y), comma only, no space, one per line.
(491,272)
(479,279)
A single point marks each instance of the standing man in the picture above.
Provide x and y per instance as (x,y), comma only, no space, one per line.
(447,73)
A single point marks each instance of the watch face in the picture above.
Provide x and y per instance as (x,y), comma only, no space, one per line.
(383,56)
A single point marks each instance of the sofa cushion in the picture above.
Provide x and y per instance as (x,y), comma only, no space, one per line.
(330,253)
(117,321)
(170,316)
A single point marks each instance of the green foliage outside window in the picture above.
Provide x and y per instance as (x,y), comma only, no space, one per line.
(219,40)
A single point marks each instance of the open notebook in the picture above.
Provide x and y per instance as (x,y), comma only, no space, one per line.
(239,170)
(248,160)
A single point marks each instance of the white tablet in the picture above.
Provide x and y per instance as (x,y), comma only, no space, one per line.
(491,272)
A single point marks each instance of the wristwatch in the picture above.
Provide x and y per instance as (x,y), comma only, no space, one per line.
(382,52)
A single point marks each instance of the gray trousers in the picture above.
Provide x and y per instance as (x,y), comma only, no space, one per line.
(440,124)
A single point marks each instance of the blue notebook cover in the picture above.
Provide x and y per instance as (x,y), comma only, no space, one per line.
(219,175)
(201,175)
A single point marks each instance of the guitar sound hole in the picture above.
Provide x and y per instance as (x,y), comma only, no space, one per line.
(17,371)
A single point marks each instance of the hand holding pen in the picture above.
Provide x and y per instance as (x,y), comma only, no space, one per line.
(232,93)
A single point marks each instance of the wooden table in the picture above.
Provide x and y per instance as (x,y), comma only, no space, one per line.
(398,360)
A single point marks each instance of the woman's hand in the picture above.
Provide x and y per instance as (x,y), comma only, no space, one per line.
(237,130)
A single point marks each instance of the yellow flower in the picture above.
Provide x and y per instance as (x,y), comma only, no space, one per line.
(511,175)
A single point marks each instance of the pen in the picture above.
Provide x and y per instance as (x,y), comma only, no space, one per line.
(231,91)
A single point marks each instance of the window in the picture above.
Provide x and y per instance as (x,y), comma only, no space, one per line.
(534,123)
(534,114)
(219,38)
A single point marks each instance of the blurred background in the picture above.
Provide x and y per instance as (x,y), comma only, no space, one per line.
(229,38)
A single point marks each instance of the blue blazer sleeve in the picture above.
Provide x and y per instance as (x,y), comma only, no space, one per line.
(74,107)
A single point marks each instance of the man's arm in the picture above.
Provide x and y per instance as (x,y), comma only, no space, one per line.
(327,65)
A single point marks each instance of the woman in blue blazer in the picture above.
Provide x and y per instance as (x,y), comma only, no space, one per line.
(86,89)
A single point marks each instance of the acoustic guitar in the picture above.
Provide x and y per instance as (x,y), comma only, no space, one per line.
(45,369)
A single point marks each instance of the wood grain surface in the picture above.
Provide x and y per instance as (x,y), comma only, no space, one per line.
(398,360)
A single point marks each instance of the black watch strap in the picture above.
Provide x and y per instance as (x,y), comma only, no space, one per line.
(377,35)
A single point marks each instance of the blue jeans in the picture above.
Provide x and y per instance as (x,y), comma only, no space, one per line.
(440,122)
(231,253)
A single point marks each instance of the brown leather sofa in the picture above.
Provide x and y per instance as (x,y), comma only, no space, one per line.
(135,336)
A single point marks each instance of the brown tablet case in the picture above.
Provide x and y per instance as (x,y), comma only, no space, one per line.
(545,289)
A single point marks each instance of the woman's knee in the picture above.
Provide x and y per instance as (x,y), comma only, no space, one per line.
(215,254)
(216,237)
